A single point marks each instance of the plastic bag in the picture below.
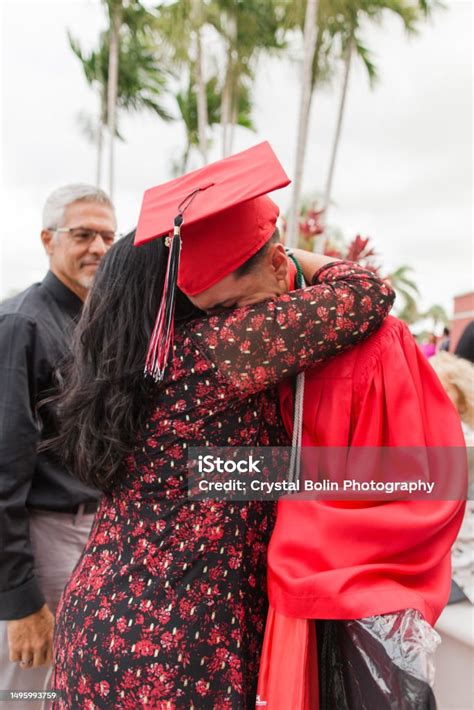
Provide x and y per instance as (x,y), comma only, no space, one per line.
(378,663)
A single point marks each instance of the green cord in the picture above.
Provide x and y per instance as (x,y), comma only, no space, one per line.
(299,271)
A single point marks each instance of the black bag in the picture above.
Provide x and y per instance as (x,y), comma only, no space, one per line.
(380,663)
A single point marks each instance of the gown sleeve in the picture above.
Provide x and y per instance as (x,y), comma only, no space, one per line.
(255,347)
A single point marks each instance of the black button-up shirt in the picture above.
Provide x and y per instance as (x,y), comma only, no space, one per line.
(35,328)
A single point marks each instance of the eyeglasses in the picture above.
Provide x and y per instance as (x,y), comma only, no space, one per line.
(82,235)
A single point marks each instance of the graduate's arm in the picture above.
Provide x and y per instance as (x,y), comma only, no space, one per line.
(311,263)
(255,347)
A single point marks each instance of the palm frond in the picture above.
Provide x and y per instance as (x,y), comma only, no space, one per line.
(365,55)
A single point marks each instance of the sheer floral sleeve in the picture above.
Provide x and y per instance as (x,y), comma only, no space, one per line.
(255,347)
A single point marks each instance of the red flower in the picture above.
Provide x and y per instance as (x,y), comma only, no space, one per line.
(145,648)
(103,688)
(201,687)
(180,405)
(122,624)
(260,375)
(216,532)
(137,587)
(163,616)
(160,525)
(167,640)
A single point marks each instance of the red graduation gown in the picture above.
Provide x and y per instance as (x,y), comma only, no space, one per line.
(353,560)
(344,561)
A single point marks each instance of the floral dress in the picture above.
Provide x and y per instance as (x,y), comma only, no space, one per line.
(167,605)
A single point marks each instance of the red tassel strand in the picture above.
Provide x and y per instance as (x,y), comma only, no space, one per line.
(163,331)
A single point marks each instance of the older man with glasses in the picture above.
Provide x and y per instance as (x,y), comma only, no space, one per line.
(45,513)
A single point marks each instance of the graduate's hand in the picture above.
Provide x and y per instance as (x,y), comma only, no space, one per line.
(30,639)
(310,262)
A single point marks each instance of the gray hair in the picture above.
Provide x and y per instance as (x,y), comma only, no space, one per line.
(55,205)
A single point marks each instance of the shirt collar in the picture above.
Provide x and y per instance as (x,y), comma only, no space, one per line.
(62,294)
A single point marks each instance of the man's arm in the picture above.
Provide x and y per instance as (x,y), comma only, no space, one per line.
(30,622)
(19,591)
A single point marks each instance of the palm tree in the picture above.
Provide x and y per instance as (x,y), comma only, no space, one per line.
(309,41)
(228,27)
(188,105)
(357,11)
(338,33)
(320,72)
(337,135)
(126,18)
(180,25)
(201,89)
(187,101)
(93,68)
(140,84)
(248,29)
(115,12)
(410,12)
(437,314)
(405,288)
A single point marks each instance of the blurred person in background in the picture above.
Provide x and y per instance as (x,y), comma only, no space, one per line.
(465,346)
(457,378)
(45,513)
(428,347)
(445,341)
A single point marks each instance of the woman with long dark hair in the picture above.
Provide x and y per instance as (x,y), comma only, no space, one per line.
(167,605)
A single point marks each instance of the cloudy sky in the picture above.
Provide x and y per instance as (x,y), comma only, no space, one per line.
(404,172)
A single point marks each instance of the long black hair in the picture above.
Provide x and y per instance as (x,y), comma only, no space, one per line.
(104,397)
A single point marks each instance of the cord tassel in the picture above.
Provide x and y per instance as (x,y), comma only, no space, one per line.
(163,331)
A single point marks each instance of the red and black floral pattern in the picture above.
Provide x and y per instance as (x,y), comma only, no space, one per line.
(166,608)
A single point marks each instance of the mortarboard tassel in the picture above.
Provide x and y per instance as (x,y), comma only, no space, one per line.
(163,332)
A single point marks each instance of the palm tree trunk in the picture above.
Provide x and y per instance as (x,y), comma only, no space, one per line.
(233,123)
(100,143)
(303,122)
(227,94)
(100,136)
(202,116)
(112,85)
(185,158)
(225,112)
(201,101)
(321,242)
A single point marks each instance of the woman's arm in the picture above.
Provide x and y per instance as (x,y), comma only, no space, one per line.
(257,346)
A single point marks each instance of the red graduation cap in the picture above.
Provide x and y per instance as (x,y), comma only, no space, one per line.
(221,218)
